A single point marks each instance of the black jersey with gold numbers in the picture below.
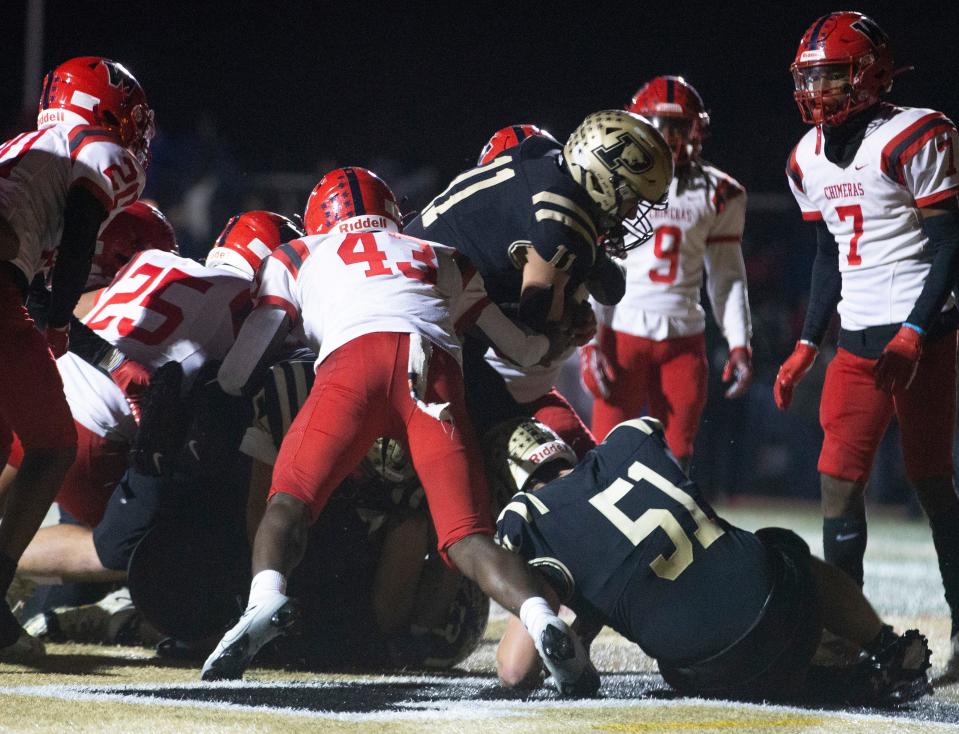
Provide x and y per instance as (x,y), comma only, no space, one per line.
(628,540)
(523,198)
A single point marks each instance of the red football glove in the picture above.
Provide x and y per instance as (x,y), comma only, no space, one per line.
(58,340)
(739,369)
(791,373)
(595,371)
(899,360)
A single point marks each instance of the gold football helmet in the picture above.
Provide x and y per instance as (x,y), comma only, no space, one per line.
(626,167)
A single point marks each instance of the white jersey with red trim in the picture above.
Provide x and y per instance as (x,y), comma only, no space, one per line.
(338,287)
(405,285)
(700,232)
(907,161)
(38,168)
(162,307)
(96,401)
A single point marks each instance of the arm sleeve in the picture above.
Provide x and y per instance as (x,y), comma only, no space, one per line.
(943,233)
(518,344)
(82,217)
(262,334)
(826,286)
(606,281)
(726,273)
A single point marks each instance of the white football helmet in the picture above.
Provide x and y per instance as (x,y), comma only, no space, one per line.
(517,450)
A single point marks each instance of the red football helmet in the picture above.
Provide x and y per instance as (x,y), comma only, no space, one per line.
(138,227)
(677,111)
(842,66)
(248,238)
(505,138)
(92,90)
(351,199)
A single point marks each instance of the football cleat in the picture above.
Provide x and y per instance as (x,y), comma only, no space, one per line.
(16,645)
(113,620)
(899,670)
(259,624)
(573,674)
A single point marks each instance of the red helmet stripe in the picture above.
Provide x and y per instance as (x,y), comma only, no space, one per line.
(355,192)
(814,38)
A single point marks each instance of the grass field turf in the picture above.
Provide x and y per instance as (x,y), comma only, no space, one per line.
(88,688)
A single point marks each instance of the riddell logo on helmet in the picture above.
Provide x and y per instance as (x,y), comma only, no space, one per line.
(357,224)
(544,452)
(48,116)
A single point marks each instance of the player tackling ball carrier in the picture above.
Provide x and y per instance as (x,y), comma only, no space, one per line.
(375,305)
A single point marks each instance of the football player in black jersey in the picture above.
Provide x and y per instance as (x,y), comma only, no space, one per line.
(531,219)
(538,220)
(626,540)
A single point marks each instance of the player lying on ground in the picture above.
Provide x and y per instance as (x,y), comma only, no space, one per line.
(626,540)
(376,306)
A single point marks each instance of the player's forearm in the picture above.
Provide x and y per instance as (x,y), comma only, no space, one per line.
(82,218)
(727,292)
(942,229)
(510,340)
(826,287)
(261,336)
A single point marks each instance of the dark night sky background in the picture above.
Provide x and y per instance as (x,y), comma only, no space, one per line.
(289,83)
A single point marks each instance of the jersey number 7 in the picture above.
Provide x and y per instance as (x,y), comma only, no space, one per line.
(707,531)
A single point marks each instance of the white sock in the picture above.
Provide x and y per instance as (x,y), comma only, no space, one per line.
(265,584)
(535,614)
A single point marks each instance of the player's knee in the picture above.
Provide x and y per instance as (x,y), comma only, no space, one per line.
(841,497)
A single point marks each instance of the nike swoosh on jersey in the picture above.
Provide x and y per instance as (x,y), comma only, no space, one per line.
(156,461)
(859,168)
(192,446)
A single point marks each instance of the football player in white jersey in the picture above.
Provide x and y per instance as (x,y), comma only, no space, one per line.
(879,182)
(650,349)
(163,307)
(103,396)
(109,518)
(57,186)
(376,307)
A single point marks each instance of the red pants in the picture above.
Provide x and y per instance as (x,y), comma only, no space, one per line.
(666,378)
(32,404)
(855,414)
(362,392)
(91,479)
(553,410)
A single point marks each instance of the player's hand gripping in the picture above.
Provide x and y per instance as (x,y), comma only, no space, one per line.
(595,370)
(792,371)
(58,339)
(739,369)
(899,360)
